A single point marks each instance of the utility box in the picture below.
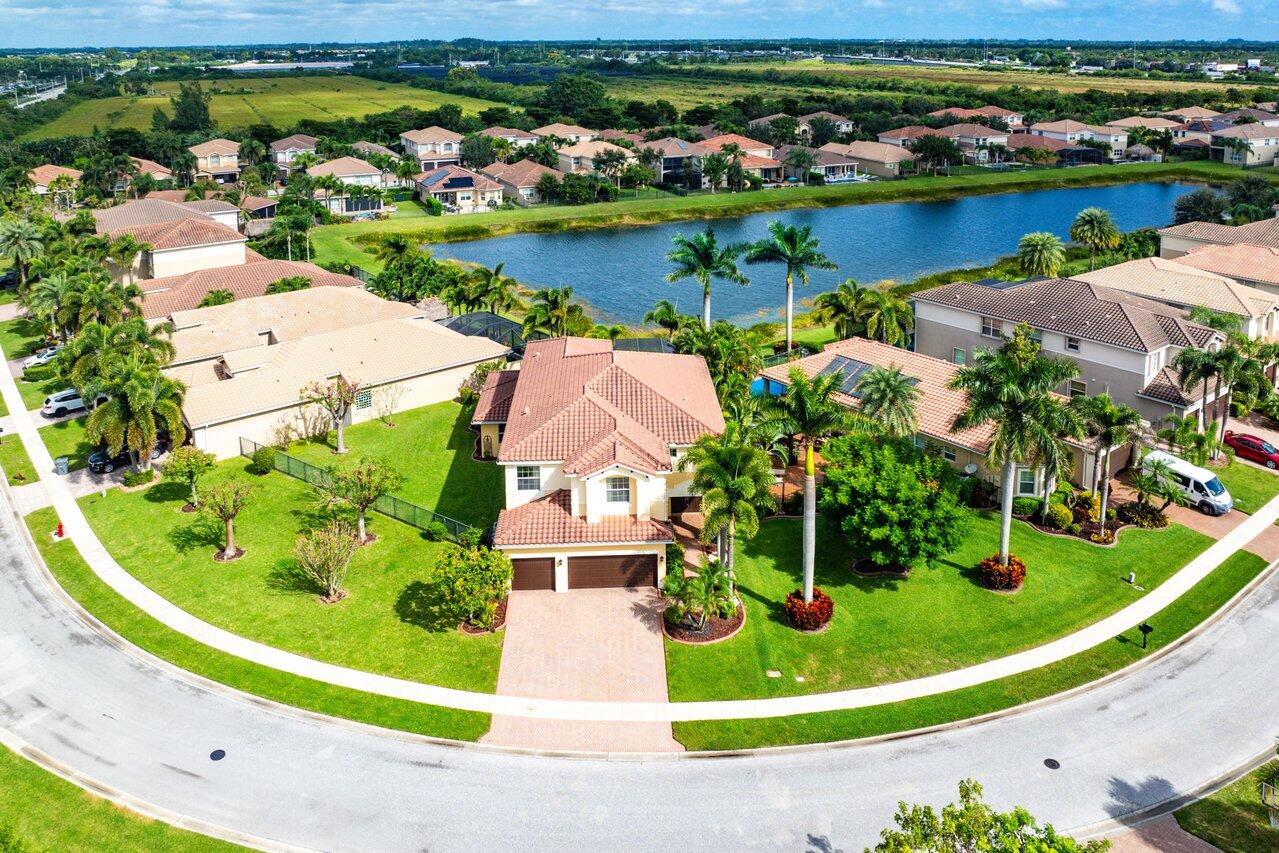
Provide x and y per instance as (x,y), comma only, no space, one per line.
(60,465)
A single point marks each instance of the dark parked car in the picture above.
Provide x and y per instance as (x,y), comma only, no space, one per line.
(102,462)
(1254,448)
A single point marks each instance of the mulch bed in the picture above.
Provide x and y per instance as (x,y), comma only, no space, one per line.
(864,568)
(369,539)
(476,631)
(716,629)
(190,507)
(224,557)
(1084,533)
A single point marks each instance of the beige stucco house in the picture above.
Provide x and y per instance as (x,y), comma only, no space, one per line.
(217,160)
(182,237)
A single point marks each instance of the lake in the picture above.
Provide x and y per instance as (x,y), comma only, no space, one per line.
(620,272)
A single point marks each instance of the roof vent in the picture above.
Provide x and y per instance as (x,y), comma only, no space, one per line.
(524,411)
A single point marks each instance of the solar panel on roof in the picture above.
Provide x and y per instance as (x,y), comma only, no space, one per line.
(643,345)
(852,370)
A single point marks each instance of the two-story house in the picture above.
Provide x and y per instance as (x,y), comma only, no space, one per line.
(352,172)
(217,160)
(1123,344)
(181,237)
(1178,240)
(433,146)
(1245,145)
(514,137)
(681,160)
(566,133)
(1075,132)
(804,124)
(590,440)
(1255,266)
(285,151)
(1013,119)
(584,156)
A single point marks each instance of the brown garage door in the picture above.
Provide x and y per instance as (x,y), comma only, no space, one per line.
(534,573)
(628,570)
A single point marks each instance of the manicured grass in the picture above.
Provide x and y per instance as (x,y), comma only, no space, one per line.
(387,624)
(17,465)
(432,447)
(67,439)
(1172,622)
(888,630)
(1234,819)
(281,101)
(409,208)
(19,338)
(348,241)
(81,583)
(1250,485)
(50,813)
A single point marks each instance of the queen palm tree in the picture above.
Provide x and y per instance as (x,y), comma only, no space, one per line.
(406,169)
(795,248)
(890,397)
(1007,387)
(808,412)
(1050,453)
(87,357)
(1041,253)
(252,151)
(666,316)
(735,479)
(701,258)
(183,167)
(494,290)
(847,307)
(395,248)
(1110,424)
(1094,228)
(140,400)
(554,313)
(122,253)
(889,317)
(20,242)
(1195,367)
(100,299)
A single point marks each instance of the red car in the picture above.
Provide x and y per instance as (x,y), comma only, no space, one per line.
(1251,447)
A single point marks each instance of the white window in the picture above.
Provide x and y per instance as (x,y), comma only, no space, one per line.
(363,399)
(528,478)
(991,328)
(959,356)
(1026,482)
(1072,344)
(617,490)
(948,454)
(1078,388)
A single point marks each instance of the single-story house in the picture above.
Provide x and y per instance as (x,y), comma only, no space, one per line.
(519,180)
(1066,153)
(875,158)
(569,133)
(259,211)
(460,190)
(517,138)
(433,146)
(590,440)
(217,160)
(162,297)
(352,172)
(833,167)
(366,148)
(42,177)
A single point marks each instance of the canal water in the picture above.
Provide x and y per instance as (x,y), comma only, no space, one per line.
(620,272)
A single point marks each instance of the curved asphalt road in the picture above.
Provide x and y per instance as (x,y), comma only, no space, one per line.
(288,779)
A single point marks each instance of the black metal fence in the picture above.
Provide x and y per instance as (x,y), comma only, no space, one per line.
(397,508)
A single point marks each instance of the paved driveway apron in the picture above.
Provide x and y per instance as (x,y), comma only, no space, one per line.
(601,644)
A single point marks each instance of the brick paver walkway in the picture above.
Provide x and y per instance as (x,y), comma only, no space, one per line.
(1161,835)
(600,644)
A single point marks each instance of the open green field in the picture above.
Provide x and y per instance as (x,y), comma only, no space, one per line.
(1234,819)
(936,620)
(689,91)
(281,101)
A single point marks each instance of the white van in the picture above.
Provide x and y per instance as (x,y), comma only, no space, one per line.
(1200,485)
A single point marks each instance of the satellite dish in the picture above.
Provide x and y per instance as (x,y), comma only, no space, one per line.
(970,468)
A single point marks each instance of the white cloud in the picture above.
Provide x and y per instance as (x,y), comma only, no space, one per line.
(1227,7)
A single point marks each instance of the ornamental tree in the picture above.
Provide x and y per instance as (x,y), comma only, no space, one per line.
(362,486)
(324,554)
(898,506)
(336,397)
(469,583)
(187,465)
(226,502)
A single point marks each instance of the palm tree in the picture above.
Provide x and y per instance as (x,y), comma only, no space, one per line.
(889,318)
(20,242)
(100,299)
(183,167)
(735,479)
(1050,454)
(1230,364)
(847,307)
(554,313)
(304,161)
(47,301)
(1195,367)
(395,248)
(1178,431)
(890,397)
(1008,387)
(494,290)
(794,247)
(1110,424)
(1041,253)
(809,413)
(88,356)
(701,258)
(1094,228)
(406,169)
(252,151)
(140,400)
(123,251)
(800,160)
(666,316)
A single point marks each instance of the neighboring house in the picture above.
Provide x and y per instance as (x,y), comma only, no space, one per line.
(1255,266)
(876,158)
(1186,287)
(217,160)
(433,146)
(352,172)
(459,190)
(143,167)
(763,122)
(219,210)
(257,354)
(42,177)
(903,137)
(162,297)
(176,196)
(613,135)
(1249,115)
(181,237)
(366,148)
(581,156)
(1009,117)
(1068,130)
(1177,240)
(1245,145)
(681,161)
(748,145)
(1156,123)
(1191,113)
(570,133)
(756,159)
(1066,153)
(517,138)
(590,439)
(834,168)
(1122,343)
(1197,133)
(285,151)
(259,211)
(936,408)
(519,180)
(805,122)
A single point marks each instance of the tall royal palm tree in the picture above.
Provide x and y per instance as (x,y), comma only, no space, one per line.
(20,242)
(666,316)
(1041,253)
(890,318)
(1007,387)
(796,249)
(735,479)
(1094,228)
(847,307)
(554,313)
(890,397)
(1196,367)
(1230,364)
(141,401)
(701,258)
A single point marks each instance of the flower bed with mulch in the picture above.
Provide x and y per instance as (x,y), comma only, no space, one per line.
(716,629)
(1085,533)
(498,623)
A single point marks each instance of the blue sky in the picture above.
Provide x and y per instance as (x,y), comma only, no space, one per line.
(66,23)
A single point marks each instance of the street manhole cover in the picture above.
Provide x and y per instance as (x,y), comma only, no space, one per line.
(1052,763)
(217,755)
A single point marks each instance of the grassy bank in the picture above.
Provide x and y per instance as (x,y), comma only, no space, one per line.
(75,576)
(348,242)
(1170,623)
(1234,819)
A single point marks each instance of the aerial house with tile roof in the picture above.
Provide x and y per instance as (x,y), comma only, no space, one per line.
(590,438)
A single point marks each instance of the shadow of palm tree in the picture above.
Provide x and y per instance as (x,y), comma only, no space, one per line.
(203,531)
(417,604)
(1127,799)
(775,610)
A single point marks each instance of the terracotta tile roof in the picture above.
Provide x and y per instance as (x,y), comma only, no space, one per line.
(768,119)
(580,402)
(563,130)
(549,521)
(152,168)
(1030,140)
(257,202)
(592,149)
(44,175)
(717,143)
(1248,112)
(1079,309)
(1166,388)
(1239,260)
(210,205)
(344,167)
(937,405)
(612,135)
(180,234)
(365,147)
(525,173)
(673,146)
(508,133)
(970,129)
(1143,121)
(494,405)
(1188,113)
(910,131)
(433,179)
(166,195)
(164,296)
(296,142)
(754,161)
(835,117)
(1246,131)
(434,133)
(875,152)
(1263,232)
(1170,281)
(989,111)
(1071,126)
(215,146)
(147,211)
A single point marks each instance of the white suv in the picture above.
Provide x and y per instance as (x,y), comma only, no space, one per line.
(64,402)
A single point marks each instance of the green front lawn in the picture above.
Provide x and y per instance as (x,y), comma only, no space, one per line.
(1234,819)
(431,446)
(18,468)
(1250,485)
(67,439)
(19,338)
(386,625)
(888,630)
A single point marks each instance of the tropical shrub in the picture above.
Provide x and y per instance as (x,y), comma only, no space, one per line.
(1000,577)
(470,582)
(1085,506)
(1143,515)
(810,616)
(693,599)
(138,478)
(1059,517)
(1025,506)
(263,460)
(1074,529)
(435,532)
(976,493)
(674,557)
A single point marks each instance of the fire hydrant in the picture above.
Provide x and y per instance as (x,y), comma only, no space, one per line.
(58,534)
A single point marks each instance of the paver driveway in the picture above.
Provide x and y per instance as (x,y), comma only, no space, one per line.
(597,644)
